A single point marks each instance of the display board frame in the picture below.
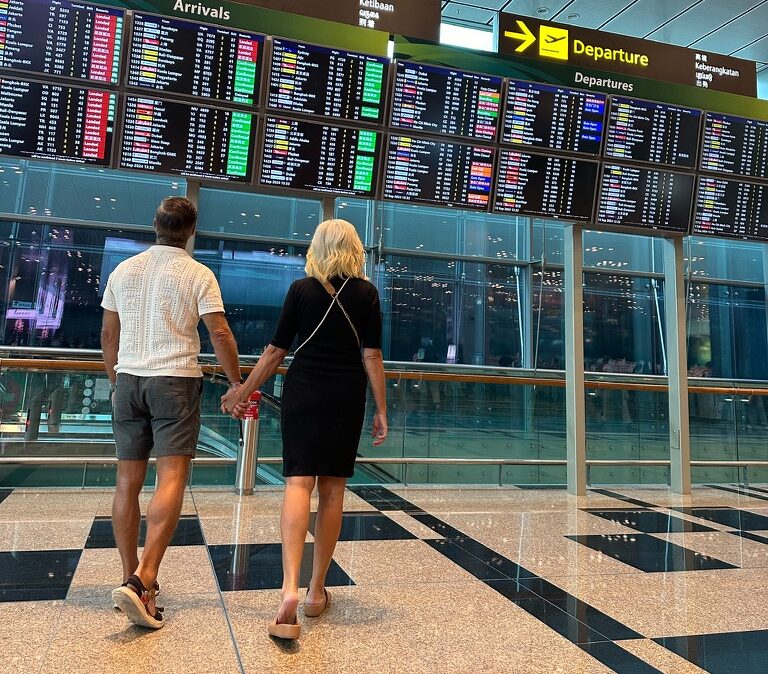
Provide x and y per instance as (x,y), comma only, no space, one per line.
(386,88)
(535,148)
(739,177)
(399,130)
(494,148)
(206,180)
(560,218)
(674,168)
(116,132)
(302,192)
(639,230)
(25,74)
(131,90)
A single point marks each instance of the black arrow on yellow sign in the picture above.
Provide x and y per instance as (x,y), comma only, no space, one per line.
(526,37)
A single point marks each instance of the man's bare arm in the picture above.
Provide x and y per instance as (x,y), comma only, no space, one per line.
(224,345)
(110,342)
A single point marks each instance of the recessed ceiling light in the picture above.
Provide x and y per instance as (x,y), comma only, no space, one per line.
(572,17)
(542,10)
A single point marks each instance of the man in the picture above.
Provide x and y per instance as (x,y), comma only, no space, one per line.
(152,304)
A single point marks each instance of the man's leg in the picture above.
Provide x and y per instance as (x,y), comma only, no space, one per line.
(163,515)
(126,515)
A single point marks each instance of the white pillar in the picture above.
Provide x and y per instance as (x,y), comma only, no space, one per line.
(677,358)
(574,360)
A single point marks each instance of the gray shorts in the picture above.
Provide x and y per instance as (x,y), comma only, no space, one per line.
(159,412)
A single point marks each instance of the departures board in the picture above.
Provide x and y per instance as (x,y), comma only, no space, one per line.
(51,121)
(431,171)
(61,39)
(731,208)
(645,198)
(194,59)
(299,154)
(645,131)
(545,186)
(735,145)
(185,139)
(554,118)
(446,102)
(321,81)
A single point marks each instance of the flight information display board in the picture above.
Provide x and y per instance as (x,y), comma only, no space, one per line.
(645,198)
(316,80)
(731,208)
(61,38)
(304,155)
(195,59)
(735,145)
(545,186)
(189,140)
(445,101)
(52,121)
(555,118)
(652,132)
(438,172)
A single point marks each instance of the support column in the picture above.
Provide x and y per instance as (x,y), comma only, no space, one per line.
(329,208)
(677,358)
(574,360)
(193,194)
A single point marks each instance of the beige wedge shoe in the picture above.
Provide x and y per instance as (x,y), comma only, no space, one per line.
(316,610)
(283,631)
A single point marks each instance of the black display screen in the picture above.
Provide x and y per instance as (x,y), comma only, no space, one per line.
(645,198)
(438,172)
(195,59)
(61,38)
(189,140)
(303,155)
(652,132)
(735,145)
(540,115)
(732,209)
(445,101)
(316,80)
(52,121)
(536,184)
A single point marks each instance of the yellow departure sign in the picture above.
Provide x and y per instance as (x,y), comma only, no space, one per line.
(579,47)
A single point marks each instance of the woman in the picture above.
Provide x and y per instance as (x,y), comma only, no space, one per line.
(336,315)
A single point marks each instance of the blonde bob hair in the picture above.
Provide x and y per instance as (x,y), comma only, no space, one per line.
(336,250)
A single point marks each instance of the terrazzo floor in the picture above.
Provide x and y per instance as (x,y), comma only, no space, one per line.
(423,580)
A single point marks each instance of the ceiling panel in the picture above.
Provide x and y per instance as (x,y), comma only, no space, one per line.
(701,19)
(531,7)
(495,5)
(757,51)
(591,13)
(750,27)
(467,14)
(645,16)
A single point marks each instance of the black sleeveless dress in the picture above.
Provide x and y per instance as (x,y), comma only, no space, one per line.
(323,402)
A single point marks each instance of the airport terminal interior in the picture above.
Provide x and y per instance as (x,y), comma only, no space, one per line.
(564,208)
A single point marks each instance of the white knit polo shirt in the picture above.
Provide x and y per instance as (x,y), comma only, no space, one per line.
(160,296)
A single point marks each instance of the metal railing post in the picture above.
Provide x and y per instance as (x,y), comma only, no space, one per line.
(248,456)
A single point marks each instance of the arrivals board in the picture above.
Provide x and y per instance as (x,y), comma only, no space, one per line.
(429,171)
(195,59)
(735,145)
(731,208)
(304,155)
(327,82)
(555,118)
(652,132)
(52,121)
(545,186)
(447,102)
(642,197)
(61,38)
(189,140)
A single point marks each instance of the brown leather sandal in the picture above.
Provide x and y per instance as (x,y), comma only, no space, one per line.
(316,610)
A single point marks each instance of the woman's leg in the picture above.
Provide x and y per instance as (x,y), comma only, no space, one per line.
(294,521)
(327,529)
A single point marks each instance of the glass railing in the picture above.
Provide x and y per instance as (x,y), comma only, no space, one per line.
(449,425)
